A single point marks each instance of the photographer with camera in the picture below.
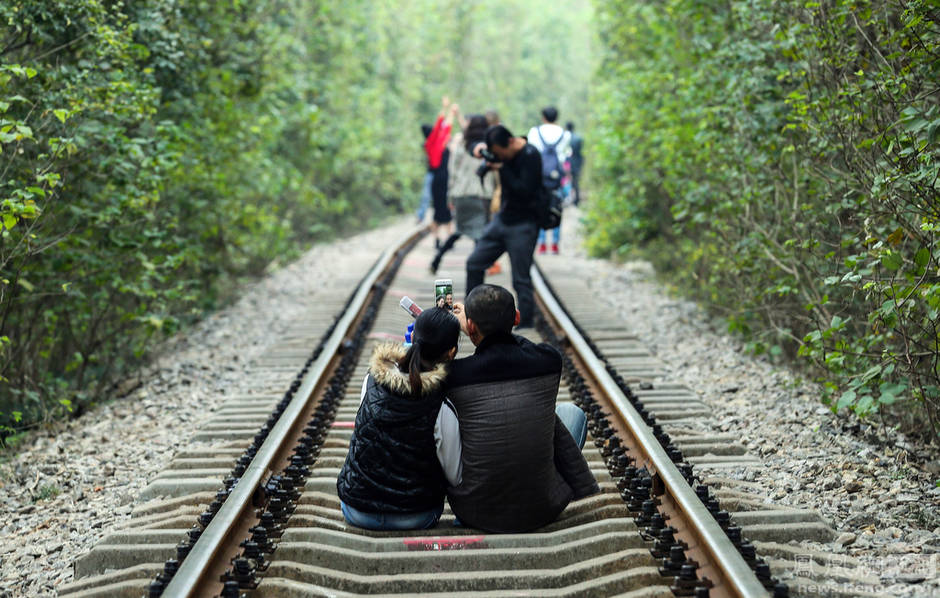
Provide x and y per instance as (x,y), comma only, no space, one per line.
(514,228)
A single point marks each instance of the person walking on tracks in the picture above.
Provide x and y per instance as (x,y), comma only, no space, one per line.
(512,458)
(392,478)
(435,146)
(576,143)
(514,229)
(552,143)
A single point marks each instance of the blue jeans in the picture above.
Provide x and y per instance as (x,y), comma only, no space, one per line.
(425,196)
(391,521)
(556,232)
(574,419)
(518,240)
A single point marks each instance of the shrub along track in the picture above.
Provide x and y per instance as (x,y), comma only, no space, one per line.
(266,518)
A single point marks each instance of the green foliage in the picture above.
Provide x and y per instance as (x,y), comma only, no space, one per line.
(47,492)
(784,158)
(154,152)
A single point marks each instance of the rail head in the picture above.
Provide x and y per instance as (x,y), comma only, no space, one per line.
(735,576)
(192,570)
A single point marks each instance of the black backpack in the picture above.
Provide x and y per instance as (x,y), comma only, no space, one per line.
(552,170)
(548,209)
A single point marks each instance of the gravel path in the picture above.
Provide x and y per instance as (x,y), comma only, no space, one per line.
(66,486)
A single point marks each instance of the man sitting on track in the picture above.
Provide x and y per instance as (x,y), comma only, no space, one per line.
(514,465)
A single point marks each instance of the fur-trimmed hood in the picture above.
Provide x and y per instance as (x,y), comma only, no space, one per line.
(384,369)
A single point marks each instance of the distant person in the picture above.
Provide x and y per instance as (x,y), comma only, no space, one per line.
(576,160)
(511,456)
(552,143)
(514,228)
(436,148)
(468,192)
(392,478)
(428,177)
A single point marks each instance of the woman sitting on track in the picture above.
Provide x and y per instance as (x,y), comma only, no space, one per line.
(392,478)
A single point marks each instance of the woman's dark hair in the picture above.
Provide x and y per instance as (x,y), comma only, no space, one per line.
(475,132)
(436,332)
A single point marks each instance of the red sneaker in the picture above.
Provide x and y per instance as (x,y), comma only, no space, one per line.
(542,249)
(554,248)
(494,269)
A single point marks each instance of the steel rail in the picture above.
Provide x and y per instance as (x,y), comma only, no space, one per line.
(192,570)
(729,565)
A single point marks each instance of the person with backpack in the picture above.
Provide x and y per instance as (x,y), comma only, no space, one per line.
(552,143)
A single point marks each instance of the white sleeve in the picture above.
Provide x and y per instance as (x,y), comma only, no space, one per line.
(447,439)
(365,386)
(534,139)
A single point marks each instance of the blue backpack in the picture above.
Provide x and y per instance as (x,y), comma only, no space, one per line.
(552,170)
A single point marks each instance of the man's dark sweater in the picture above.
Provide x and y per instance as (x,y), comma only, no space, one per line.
(521,467)
(521,180)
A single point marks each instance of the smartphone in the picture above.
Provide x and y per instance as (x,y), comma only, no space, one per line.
(444,293)
(410,306)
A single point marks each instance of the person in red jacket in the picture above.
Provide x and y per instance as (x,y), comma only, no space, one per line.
(435,146)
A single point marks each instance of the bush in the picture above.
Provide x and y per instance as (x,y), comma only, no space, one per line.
(787,156)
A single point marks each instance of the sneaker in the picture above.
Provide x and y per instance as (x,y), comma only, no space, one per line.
(554,248)
(542,249)
(494,269)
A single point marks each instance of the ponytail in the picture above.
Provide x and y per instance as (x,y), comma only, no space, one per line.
(435,334)
(411,363)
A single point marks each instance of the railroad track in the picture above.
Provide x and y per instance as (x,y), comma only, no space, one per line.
(252,507)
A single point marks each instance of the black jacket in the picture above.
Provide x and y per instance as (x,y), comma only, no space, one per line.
(521,180)
(521,467)
(392,464)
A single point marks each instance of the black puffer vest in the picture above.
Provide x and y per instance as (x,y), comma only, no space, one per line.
(392,464)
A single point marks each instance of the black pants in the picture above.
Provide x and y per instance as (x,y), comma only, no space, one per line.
(519,241)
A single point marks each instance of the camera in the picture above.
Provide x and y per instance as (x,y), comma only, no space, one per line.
(483,168)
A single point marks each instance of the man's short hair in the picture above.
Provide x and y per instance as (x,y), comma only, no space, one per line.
(492,309)
(570,126)
(498,135)
(550,113)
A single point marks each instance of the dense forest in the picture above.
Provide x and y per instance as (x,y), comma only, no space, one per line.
(155,153)
(779,162)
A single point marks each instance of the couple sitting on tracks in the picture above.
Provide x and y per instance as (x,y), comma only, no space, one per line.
(512,466)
